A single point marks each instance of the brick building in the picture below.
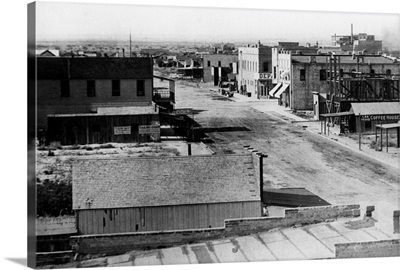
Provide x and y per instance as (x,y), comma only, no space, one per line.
(297,76)
(358,42)
(76,91)
(144,194)
(255,70)
(216,67)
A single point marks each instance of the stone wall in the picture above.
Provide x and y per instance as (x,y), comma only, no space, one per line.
(112,244)
(384,248)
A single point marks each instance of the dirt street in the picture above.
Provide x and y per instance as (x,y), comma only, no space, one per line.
(297,157)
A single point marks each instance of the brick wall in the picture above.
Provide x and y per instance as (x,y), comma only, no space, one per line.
(301,91)
(384,248)
(121,243)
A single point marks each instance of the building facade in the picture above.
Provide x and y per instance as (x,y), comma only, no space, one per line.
(77,91)
(255,70)
(298,76)
(144,194)
(216,67)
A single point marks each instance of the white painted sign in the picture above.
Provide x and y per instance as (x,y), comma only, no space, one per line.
(122,130)
(183,111)
(149,129)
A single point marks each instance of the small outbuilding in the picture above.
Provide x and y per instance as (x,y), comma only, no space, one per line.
(164,193)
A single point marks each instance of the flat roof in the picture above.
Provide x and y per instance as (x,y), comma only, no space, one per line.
(375,108)
(110,111)
(388,126)
(336,114)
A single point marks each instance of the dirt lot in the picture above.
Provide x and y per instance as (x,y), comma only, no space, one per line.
(297,157)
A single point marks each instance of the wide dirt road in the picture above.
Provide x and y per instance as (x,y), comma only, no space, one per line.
(297,157)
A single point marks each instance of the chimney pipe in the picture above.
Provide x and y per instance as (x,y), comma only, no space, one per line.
(351,38)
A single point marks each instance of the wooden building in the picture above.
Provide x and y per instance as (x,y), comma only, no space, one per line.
(80,85)
(163,193)
(107,124)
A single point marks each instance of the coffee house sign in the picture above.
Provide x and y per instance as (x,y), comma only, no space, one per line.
(383,117)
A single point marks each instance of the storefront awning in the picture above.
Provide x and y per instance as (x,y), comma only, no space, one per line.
(283,88)
(376,108)
(272,92)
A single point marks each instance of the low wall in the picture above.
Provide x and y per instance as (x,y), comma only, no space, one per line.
(55,225)
(48,258)
(384,248)
(112,244)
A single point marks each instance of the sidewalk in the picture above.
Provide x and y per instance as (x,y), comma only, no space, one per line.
(303,243)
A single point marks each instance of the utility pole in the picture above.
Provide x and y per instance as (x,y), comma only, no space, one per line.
(130,44)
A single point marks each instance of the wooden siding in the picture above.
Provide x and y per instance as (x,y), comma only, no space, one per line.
(180,217)
(80,130)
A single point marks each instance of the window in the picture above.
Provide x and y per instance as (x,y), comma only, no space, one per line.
(219,63)
(140,88)
(64,88)
(341,72)
(91,88)
(208,63)
(372,73)
(302,74)
(388,72)
(274,72)
(116,90)
(265,66)
(231,66)
(322,75)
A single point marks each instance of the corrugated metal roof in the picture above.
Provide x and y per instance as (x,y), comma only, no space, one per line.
(157,181)
(376,108)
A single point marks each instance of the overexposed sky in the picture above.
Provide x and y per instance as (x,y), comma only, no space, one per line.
(58,21)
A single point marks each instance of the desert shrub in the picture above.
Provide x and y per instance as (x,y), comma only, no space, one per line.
(54,198)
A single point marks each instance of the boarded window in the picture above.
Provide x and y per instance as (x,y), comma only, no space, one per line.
(265,66)
(116,87)
(322,75)
(65,88)
(140,88)
(302,74)
(91,88)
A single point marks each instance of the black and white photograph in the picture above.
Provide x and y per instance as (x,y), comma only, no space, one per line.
(176,135)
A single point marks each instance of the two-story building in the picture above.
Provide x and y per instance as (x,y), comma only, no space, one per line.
(255,70)
(95,100)
(298,76)
(218,67)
